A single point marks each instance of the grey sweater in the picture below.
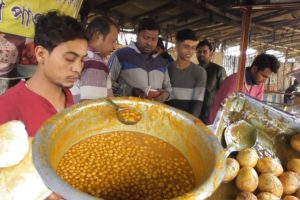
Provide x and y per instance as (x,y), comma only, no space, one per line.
(188,88)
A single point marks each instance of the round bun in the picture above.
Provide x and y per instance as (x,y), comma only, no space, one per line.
(22,181)
(14,143)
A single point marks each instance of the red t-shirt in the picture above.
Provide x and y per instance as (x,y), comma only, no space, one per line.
(20,103)
(227,87)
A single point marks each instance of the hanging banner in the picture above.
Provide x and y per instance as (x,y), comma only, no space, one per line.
(18,16)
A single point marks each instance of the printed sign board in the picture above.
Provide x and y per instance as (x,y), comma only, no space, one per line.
(18,16)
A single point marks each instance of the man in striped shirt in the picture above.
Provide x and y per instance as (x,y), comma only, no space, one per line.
(188,80)
(95,81)
(135,68)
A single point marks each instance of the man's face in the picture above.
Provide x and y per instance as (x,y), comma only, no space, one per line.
(147,41)
(260,76)
(204,55)
(186,49)
(105,46)
(64,64)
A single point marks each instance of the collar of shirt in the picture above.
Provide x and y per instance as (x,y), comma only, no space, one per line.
(91,53)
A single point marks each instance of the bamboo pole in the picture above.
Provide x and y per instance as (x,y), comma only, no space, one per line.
(243,47)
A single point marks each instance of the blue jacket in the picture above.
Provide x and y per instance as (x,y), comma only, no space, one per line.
(129,68)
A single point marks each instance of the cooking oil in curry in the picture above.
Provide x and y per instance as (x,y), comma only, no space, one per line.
(127,165)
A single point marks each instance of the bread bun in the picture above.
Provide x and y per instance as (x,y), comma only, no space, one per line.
(14,143)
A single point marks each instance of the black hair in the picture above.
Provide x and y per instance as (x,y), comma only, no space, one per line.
(205,42)
(53,28)
(264,61)
(185,34)
(160,43)
(100,24)
(148,24)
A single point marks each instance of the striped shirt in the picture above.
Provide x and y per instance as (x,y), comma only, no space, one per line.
(94,81)
(188,88)
(130,68)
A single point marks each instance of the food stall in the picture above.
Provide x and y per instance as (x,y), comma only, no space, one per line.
(202,149)
(193,139)
(275,129)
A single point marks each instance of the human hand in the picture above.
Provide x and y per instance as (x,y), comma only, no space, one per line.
(164,95)
(54,196)
(153,93)
(137,92)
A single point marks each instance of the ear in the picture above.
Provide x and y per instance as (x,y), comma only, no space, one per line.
(100,36)
(40,54)
(97,36)
(254,69)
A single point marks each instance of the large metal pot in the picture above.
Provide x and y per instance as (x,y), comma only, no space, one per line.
(190,136)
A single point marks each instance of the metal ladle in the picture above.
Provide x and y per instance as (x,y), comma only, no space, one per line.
(238,136)
(129,111)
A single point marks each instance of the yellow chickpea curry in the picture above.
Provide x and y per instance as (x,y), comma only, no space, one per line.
(129,116)
(127,165)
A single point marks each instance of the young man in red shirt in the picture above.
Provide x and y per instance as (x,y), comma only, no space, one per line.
(60,47)
(263,66)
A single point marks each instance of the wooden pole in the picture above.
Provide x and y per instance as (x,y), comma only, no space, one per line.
(243,47)
(277,81)
(284,66)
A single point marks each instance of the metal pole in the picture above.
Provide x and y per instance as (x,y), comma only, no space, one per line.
(243,47)
(284,66)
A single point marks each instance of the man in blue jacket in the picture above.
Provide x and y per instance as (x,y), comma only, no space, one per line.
(135,68)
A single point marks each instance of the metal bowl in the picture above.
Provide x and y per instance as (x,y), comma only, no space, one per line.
(188,134)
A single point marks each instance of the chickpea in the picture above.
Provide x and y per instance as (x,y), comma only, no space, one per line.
(119,166)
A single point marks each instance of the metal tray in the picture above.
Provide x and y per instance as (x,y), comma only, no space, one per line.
(274,126)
